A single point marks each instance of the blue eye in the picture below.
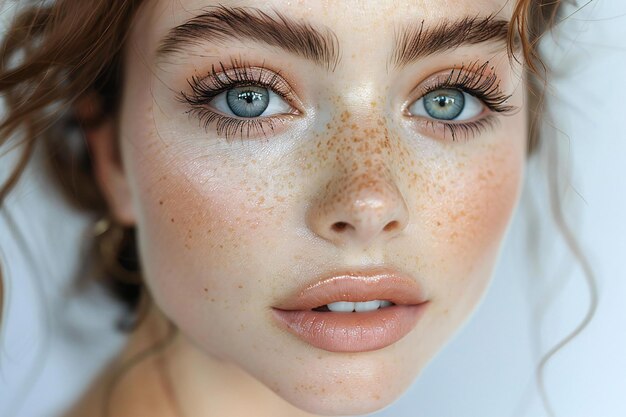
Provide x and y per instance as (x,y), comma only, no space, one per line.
(250,101)
(447,104)
(444,104)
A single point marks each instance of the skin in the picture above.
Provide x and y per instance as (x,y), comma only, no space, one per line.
(228,229)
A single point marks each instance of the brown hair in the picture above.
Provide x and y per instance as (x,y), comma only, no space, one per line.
(54,53)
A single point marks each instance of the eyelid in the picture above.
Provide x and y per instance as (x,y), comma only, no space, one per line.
(477,80)
(204,90)
(238,74)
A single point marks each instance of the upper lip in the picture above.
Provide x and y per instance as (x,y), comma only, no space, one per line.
(381,283)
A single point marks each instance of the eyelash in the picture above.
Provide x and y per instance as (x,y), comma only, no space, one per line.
(204,90)
(470,79)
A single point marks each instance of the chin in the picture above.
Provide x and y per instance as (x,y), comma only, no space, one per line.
(345,386)
(341,404)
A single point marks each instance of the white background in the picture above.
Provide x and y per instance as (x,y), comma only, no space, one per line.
(54,341)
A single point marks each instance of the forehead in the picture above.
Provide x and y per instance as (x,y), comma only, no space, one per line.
(354,22)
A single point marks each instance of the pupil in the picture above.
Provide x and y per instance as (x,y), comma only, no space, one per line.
(249,96)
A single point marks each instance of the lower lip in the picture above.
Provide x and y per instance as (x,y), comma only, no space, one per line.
(351,332)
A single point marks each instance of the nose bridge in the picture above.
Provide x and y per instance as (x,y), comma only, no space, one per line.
(361,201)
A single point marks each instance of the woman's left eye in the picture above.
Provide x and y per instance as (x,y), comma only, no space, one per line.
(249,102)
(447,104)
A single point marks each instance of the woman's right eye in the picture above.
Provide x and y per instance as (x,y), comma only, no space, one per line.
(250,101)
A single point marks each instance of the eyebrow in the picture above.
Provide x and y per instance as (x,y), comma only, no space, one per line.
(220,24)
(416,42)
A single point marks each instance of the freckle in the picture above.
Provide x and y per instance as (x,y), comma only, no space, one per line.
(172,220)
(212,300)
(160,202)
(239,286)
(206,290)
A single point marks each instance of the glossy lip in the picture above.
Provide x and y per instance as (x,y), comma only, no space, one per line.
(354,332)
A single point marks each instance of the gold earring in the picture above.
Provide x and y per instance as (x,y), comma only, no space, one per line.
(116,251)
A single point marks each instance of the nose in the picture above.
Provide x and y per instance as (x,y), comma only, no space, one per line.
(359,209)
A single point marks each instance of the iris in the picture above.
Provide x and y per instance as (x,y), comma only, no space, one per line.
(445,104)
(248,101)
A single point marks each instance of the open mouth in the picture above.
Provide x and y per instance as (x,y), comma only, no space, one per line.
(354,311)
(357,307)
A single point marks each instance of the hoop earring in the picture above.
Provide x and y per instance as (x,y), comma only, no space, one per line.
(116,252)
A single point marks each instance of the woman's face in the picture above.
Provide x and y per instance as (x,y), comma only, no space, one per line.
(268,147)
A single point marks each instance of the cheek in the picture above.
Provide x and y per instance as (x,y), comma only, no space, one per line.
(468,205)
(473,201)
(464,197)
(202,235)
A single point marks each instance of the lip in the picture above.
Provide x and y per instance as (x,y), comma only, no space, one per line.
(354,332)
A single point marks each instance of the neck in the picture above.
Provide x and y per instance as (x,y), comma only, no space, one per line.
(162,374)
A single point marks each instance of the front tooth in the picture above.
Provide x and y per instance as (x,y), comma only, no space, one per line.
(367,305)
(344,306)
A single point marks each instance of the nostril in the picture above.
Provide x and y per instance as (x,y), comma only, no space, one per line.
(391,226)
(339,226)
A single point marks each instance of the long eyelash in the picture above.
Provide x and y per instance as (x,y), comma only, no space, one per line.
(229,127)
(465,130)
(205,89)
(472,80)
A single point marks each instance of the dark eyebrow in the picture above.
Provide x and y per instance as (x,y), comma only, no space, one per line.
(416,41)
(221,24)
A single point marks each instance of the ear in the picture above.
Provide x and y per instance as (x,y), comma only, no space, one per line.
(102,140)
